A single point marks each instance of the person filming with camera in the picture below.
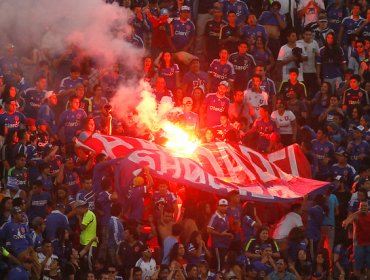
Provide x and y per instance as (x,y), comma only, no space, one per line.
(291,55)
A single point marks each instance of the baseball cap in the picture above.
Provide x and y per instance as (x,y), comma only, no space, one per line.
(225,83)
(16,210)
(49,94)
(80,203)
(322,17)
(187,100)
(164,12)
(223,202)
(185,9)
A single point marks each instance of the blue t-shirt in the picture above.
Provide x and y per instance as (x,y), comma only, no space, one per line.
(169,74)
(329,219)
(68,83)
(350,25)
(244,67)
(330,69)
(194,80)
(72,180)
(88,196)
(181,32)
(193,259)
(53,221)
(46,113)
(220,72)
(355,150)
(33,100)
(18,273)
(219,224)
(16,236)
(316,216)
(320,151)
(240,8)
(12,122)
(336,16)
(103,203)
(215,106)
(250,33)
(72,122)
(248,228)
(39,205)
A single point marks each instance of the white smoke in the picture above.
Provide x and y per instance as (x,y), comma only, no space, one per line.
(53,25)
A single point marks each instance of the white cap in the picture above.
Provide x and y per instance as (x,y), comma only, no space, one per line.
(222,202)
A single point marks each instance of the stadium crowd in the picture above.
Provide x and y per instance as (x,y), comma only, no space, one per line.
(265,74)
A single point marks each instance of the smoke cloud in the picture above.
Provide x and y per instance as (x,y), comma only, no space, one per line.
(93,26)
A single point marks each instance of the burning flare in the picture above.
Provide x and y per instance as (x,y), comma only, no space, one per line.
(179,141)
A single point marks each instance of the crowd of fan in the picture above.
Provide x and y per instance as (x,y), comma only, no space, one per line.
(221,63)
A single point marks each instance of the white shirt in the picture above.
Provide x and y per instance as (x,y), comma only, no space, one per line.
(286,52)
(312,12)
(254,101)
(148,268)
(284,122)
(312,50)
(286,224)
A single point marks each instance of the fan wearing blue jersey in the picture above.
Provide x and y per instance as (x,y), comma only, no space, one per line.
(70,121)
(252,30)
(34,97)
(68,84)
(220,70)
(350,24)
(11,120)
(9,62)
(214,105)
(181,33)
(239,7)
(323,151)
(244,65)
(364,30)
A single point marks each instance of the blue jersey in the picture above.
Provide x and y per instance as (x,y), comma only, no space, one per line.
(135,202)
(39,204)
(55,220)
(16,236)
(220,72)
(350,25)
(248,228)
(169,74)
(37,240)
(240,8)
(12,122)
(168,199)
(335,16)
(72,122)
(103,203)
(215,106)
(316,216)
(68,83)
(250,33)
(194,80)
(244,67)
(181,33)
(18,273)
(264,128)
(330,69)
(320,151)
(348,172)
(194,259)
(33,100)
(46,113)
(115,232)
(261,57)
(88,196)
(72,180)
(220,224)
(97,106)
(268,18)
(355,150)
